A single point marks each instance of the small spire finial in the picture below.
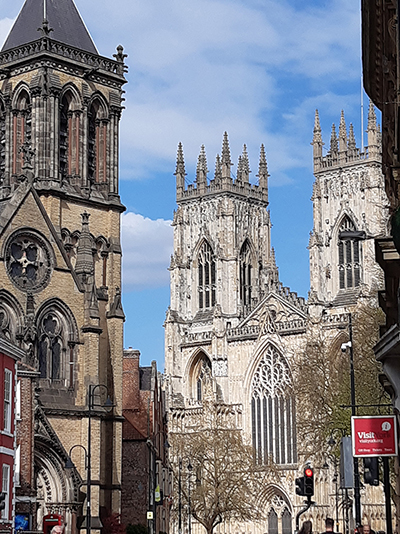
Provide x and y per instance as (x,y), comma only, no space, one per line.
(342,133)
(180,172)
(245,165)
(334,141)
(226,157)
(201,173)
(371,116)
(352,139)
(218,169)
(263,173)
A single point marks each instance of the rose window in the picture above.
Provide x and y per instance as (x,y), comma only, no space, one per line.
(28,262)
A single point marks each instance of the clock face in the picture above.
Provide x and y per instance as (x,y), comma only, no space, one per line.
(28,261)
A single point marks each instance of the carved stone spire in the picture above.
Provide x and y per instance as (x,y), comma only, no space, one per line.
(226,157)
(84,257)
(180,172)
(352,139)
(263,173)
(317,142)
(218,169)
(372,132)
(239,174)
(334,147)
(201,173)
(342,134)
(245,165)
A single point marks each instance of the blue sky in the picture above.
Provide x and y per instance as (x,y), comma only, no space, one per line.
(255,68)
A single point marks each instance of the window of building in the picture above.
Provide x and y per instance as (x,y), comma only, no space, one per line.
(286,522)
(349,255)
(6,490)
(64,136)
(273,410)
(18,400)
(206,280)
(7,400)
(97,144)
(272,522)
(17,465)
(50,347)
(22,129)
(200,376)
(245,274)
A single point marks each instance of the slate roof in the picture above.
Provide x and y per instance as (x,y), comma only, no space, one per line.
(63,17)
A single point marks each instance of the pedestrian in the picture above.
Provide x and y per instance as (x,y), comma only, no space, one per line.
(366,529)
(306,528)
(329,523)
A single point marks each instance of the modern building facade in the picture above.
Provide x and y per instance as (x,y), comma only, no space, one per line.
(60,264)
(231,319)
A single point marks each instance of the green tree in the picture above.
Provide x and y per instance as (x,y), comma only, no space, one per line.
(322,378)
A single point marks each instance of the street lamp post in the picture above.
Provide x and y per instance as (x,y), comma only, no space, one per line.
(357,498)
(91,405)
(70,465)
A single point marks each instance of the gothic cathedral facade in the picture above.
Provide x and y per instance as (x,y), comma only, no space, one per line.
(60,260)
(231,317)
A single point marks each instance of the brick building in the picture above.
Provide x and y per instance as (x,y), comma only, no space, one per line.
(146,478)
(9,452)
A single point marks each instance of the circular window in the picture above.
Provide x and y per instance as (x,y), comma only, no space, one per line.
(28,261)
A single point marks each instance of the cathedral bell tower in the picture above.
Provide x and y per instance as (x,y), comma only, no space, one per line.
(60,259)
(350,210)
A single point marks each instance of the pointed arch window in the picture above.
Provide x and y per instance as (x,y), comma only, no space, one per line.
(55,349)
(22,129)
(97,144)
(272,522)
(200,373)
(273,410)
(286,522)
(349,255)
(245,274)
(69,136)
(206,277)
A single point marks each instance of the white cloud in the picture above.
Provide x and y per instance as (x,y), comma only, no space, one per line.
(147,247)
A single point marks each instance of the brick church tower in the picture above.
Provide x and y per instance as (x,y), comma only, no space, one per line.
(60,260)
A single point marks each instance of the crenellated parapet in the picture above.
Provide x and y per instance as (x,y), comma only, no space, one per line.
(224,180)
(342,147)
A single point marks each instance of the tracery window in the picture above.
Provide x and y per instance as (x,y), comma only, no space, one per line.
(272,522)
(22,129)
(200,373)
(69,135)
(206,277)
(97,144)
(286,522)
(245,274)
(273,410)
(56,342)
(349,255)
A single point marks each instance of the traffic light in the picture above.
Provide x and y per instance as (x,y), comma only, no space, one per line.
(3,500)
(371,471)
(308,481)
(300,486)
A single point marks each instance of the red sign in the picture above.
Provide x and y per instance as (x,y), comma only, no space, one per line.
(374,436)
